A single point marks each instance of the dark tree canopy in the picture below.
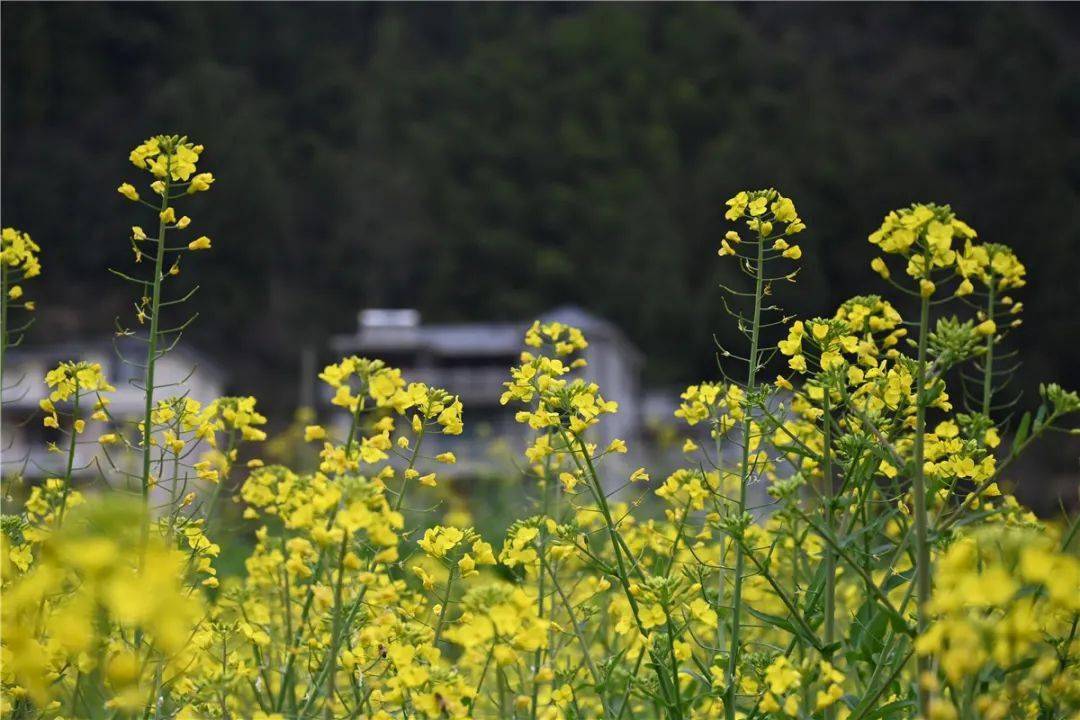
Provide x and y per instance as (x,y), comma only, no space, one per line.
(490,161)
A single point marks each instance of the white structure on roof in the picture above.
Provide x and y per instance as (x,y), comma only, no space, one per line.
(473,360)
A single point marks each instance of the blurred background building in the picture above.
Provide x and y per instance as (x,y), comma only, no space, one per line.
(473,359)
(25,442)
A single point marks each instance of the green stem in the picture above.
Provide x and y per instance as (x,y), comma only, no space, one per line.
(480,684)
(630,685)
(922,546)
(445,604)
(720,623)
(152,347)
(988,361)
(867,578)
(830,554)
(788,602)
(751,380)
(286,602)
(404,476)
(674,661)
(869,701)
(623,577)
(215,494)
(309,597)
(538,655)
(70,454)
(578,632)
(335,643)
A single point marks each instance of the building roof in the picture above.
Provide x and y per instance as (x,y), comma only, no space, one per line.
(131,348)
(468,339)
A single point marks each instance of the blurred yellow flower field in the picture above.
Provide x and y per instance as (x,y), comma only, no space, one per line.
(891,574)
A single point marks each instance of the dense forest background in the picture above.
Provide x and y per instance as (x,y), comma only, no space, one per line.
(491,161)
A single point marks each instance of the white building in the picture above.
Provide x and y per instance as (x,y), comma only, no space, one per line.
(24,440)
(473,360)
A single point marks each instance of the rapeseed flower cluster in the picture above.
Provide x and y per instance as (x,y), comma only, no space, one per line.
(99,611)
(19,261)
(1005,607)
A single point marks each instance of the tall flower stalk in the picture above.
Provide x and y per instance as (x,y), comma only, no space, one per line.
(172,161)
(924,235)
(771,218)
(918,485)
(152,334)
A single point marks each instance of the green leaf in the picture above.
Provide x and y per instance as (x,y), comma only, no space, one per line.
(783,624)
(870,624)
(900,707)
(897,579)
(1021,432)
(1039,417)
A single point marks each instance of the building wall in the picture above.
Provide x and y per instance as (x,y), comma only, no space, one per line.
(23,438)
(473,360)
